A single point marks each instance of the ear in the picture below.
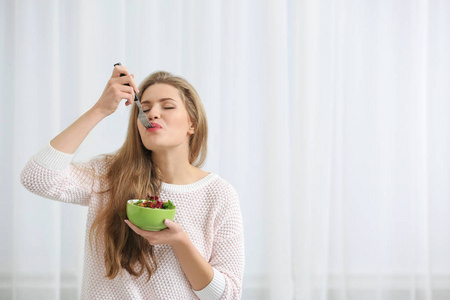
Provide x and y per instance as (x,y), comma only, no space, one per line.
(191,129)
(191,126)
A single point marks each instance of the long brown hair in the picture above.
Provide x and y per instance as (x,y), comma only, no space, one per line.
(131,174)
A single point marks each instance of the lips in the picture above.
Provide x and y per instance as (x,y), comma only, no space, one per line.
(153,129)
(156,125)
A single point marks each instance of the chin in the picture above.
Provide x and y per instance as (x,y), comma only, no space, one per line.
(153,147)
(164,147)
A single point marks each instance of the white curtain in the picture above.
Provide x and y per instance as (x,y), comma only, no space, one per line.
(331,118)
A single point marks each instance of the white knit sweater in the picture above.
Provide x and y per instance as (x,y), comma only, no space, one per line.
(208,210)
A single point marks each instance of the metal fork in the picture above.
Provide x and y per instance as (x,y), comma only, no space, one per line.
(141,115)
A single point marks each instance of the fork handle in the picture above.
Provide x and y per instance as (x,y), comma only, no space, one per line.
(138,103)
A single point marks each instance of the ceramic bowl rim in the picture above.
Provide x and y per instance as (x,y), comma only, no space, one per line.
(146,208)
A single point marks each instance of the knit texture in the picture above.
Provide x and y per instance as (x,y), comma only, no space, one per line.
(208,211)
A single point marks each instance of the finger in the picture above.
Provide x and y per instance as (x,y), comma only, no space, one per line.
(127,89)
(134,227)
(148,235)
(128,81)
(125,79)
(127,96)
(119,70)
(168,223)
(125,86)
(138,230)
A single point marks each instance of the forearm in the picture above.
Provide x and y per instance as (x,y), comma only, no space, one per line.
(197,270)
(71,138)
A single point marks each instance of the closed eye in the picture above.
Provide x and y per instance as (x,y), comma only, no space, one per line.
(147,110)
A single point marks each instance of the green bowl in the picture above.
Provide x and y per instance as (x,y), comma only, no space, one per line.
(151,219)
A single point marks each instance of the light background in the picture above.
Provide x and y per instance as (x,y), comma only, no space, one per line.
(330,118)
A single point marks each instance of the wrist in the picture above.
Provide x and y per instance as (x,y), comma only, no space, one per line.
(182,241)
(98,112)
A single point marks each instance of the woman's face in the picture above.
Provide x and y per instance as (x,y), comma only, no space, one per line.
(163,106)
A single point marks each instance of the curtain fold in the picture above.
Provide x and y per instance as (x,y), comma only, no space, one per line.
(330,118)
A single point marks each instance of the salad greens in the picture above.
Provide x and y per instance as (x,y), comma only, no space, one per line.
(154,202)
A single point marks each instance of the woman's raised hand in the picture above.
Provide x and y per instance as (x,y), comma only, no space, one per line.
(116,90)
(70,139)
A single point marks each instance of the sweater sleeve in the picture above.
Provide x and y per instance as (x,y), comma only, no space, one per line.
(51,174)
(228,256)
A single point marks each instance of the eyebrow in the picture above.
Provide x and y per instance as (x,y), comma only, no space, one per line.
(160,100)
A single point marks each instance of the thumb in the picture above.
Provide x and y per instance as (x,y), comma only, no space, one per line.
(168,223)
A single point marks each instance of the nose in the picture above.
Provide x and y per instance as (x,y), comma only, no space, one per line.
(153,114)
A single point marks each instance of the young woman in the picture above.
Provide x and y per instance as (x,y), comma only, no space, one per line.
(201,253)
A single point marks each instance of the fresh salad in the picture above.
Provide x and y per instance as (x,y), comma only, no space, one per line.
(154,202)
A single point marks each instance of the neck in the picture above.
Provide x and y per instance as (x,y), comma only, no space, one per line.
(175,167)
